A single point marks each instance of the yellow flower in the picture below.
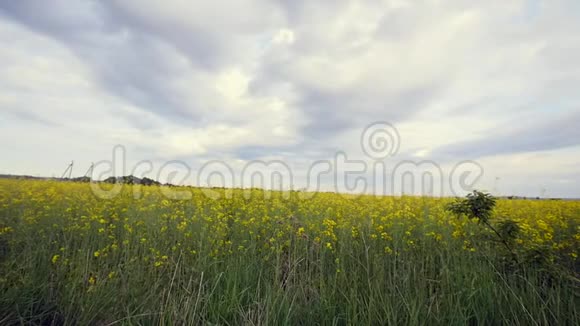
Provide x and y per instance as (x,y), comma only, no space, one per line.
(385,236)
(96,253)
(55,258)
(354,232)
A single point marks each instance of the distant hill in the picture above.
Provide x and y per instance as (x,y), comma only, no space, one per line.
(23,177)
(534,198)
(130,179)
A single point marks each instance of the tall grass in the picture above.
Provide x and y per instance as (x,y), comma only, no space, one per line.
(67,257)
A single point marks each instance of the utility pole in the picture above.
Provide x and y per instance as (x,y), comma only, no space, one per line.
(89,172)
(69,170)
(495,191)
(543,192)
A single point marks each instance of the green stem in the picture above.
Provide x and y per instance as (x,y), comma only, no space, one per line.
(505,243)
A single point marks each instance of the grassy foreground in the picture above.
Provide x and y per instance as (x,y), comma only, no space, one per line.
(68,257)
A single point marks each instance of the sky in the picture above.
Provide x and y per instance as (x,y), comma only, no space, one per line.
(493,82)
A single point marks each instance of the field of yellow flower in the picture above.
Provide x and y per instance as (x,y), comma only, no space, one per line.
(256,257)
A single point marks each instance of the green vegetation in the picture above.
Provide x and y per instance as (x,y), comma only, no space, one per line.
(67,257)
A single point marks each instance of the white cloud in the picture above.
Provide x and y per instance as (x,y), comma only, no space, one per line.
(284,36)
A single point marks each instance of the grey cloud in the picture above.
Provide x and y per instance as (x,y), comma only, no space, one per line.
(60,18)
(25,116)
(119,41)
(558,133)
(201,46)
(333,113)
(208,43)
(126,61)
(258,152)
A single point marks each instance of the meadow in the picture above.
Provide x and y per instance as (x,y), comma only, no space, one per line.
(69,257)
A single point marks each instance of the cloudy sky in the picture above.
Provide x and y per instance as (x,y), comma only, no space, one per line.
(496,82)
